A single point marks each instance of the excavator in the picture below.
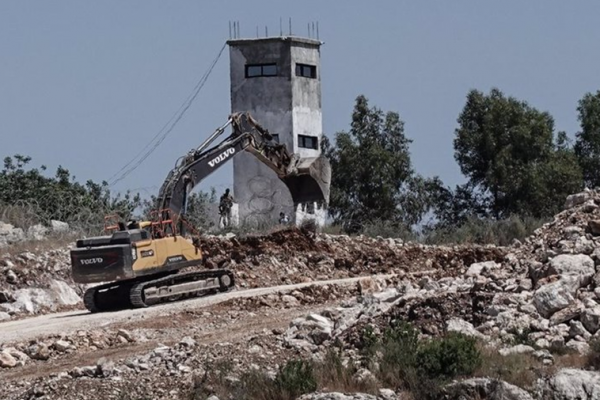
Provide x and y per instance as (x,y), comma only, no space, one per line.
(138,264)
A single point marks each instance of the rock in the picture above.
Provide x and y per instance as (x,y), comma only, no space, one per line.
(573,384)
(213,397)
(569,264)
(6,360)
(290,301)
(187,342)
(576,328)
(11,277)
(363,375)
(577,199)
(594,226)
(4,316)
(555,296)
(485,388)
(9,234)
(388,394)
(478,268)
(59,226)
(337,396)
(62,345)
(39,351)
(126,335)
(518,349)
(105,367)
(567,314)
(464,327)
(63,293)
(387,296)
(590,318)
(578,346)
(37,232)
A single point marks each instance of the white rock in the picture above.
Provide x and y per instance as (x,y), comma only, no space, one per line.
(388,394)
(63,293)
(478,268)
(569,264)
(6,360)
(488,389)
(464,327)
(59,226)
(555,296)
(187,342)
(337,396)
(591,319)
(4,316)
(62,345)
(290,301)
(37,232)
(578,346)
(573,384)
(518,349)
(578,198)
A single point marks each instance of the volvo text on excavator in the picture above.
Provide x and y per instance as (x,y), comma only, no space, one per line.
(139,264)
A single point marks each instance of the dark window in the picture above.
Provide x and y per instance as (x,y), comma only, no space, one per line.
(275,137)
(253,71)
(307,71)
(308,142)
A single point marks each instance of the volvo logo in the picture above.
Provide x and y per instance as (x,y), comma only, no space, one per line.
(221,157)
(90,261)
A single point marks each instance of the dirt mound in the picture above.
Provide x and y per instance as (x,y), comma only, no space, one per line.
(294,256)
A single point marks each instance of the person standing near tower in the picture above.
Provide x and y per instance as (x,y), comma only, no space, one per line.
(225,205)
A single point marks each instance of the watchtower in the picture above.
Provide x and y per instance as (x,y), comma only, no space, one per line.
(276,79)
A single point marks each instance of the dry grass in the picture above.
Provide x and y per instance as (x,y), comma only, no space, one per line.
(38,246)
(518,369)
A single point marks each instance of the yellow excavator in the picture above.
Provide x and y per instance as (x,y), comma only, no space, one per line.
(139,263)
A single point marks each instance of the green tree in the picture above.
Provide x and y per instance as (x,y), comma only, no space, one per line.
(514,162)
(25,190)
(587,144)
(373,179)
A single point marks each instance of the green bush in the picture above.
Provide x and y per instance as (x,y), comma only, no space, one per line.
(449,357)
(295,379)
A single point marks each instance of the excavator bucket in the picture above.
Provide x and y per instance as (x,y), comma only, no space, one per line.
(309,180)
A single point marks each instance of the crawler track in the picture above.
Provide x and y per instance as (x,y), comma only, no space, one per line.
(138,294)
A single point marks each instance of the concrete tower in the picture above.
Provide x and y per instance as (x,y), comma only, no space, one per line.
(277,80)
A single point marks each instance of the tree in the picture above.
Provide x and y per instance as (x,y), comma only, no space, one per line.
(587,145)
(28,191)
(373,179)
(514,163)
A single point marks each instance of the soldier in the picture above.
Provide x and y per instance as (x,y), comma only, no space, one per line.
(283,218)
(225,204)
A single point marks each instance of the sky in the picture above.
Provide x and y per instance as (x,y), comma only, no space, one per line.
(87,85)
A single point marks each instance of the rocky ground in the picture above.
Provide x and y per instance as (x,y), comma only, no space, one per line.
(535,303)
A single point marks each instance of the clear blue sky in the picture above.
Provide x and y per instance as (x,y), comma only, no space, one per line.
(85,84)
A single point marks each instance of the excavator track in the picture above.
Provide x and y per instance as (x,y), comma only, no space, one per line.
(139,294)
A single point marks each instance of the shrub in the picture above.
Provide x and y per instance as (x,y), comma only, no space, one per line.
(398,348)
(449,357)
(485,231)
(295,379)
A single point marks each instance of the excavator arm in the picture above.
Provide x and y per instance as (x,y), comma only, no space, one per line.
(307,179)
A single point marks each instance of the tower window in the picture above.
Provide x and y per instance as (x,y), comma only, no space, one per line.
(256,70)
(307,71)
(308,142)
(275,137)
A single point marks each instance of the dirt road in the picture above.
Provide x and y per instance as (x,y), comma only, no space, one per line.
(68,322)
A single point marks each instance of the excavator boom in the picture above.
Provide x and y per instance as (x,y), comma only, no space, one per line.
(307,180)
